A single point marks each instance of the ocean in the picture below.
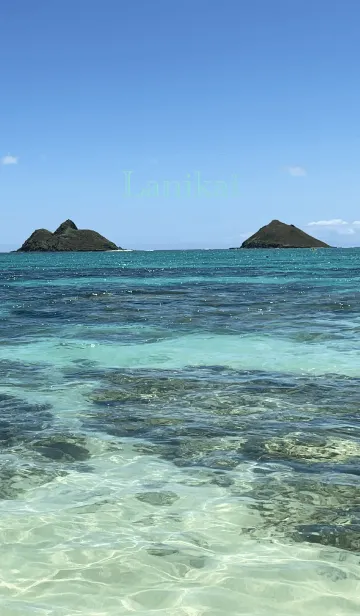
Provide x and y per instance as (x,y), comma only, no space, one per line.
(179,433)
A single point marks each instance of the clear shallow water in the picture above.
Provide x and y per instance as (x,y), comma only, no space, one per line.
(179,433)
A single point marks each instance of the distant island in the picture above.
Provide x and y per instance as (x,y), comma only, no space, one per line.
(67,238)
(279,235)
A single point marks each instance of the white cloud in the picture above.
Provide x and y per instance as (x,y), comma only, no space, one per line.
(334,222)
(9,160)
(297,172)
(337,225)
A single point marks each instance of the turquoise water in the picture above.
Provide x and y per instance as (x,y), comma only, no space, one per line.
(180,433)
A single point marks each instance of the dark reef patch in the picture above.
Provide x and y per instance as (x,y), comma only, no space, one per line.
(19,419)
(17,480)
(29,435)
(21,374)
(254,415)
(316,509)
(217,419)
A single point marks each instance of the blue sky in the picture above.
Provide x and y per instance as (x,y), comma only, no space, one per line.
(261,96)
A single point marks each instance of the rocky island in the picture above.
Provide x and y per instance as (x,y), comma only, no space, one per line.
(279,235)
(67,238)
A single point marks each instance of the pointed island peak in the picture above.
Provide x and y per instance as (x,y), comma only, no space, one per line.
(68,224)
(67,238)
(277,234)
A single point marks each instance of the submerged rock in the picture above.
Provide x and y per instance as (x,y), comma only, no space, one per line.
(280,235)
(345,537)
(162,550)
(188,558)
(303,448)
(62,448)
(158,499)
(67,238)
(162,385)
